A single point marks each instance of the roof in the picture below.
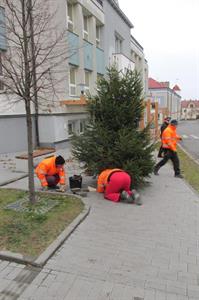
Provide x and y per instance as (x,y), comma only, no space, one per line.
(186,103)
(176,88)
(153,84)
(115,5)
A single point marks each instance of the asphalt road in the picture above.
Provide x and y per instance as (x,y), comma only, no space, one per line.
(189,130)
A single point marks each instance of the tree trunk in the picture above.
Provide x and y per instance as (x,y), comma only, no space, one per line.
(34,75)
(31,183)
(28,102)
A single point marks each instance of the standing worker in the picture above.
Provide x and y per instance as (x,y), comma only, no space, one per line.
(169,144)
(162,128)
(115,184)
(51,172)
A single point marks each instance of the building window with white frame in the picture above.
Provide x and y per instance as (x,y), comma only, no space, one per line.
(118,44)
(87,81)
(71,128)
(86,28)
(1,73)
(72,83)
(82,126)
(98,31)
(70,19)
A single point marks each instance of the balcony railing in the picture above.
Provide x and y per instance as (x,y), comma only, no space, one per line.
(122,62)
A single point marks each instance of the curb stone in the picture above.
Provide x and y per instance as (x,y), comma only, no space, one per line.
(13,179)
(188,154)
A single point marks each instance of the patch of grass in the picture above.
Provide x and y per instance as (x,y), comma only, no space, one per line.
(30,233)
(189,168)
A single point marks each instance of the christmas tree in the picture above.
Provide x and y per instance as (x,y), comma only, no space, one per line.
(112,138)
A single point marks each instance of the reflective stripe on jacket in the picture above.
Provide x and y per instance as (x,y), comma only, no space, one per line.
(103,179)
(170,138)
(48,167)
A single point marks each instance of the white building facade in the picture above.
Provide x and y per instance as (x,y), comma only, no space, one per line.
(97,34)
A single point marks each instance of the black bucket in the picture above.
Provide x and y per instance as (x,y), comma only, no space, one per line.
(75,181)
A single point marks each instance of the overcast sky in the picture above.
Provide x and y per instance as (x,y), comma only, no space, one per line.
(169,33)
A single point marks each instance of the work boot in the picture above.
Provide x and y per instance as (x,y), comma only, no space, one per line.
(155,170)
(125,197)
(136,197)
(178,176)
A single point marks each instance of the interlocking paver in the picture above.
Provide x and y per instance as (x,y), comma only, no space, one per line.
(124,252)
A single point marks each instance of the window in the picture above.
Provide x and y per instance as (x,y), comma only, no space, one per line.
(87,81)
(81,126)
(72,84)
(98,29)
(99,77)
(85,31)
(71,128)
(3,40)
(118,44)
(1,74)
(70,17)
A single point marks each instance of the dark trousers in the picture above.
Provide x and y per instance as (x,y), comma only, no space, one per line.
(52,180)
(173,156)
(160,152)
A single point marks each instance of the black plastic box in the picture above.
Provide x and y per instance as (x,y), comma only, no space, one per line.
(75,181)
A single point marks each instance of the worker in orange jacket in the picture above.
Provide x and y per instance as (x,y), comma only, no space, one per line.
(162,128)
(115,184)
(169,144)
(51,172)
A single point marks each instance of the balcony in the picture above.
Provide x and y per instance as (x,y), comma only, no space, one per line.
(100,61)
(73,51)
(88,56)
(122,62)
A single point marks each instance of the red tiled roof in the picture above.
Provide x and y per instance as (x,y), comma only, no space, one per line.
(176,88)
(186,103)
(153,84)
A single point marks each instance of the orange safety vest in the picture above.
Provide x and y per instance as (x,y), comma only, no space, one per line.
(170,138)
(103,179)
(48,167)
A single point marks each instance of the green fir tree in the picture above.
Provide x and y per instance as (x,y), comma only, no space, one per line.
(112,138)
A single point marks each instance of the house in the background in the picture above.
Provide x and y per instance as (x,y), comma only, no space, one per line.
(168,98)
(189,109)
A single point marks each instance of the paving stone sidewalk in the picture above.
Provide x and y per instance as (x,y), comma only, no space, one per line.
(121,252)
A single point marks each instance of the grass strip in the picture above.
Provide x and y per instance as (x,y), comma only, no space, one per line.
(30,232)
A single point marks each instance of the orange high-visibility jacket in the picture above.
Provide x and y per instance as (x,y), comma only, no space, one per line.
(48,167)
(170,138)
(103,179)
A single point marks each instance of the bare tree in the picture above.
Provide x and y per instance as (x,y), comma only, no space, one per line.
(31,65)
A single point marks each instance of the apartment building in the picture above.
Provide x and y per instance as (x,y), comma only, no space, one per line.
(141,64)
(168,98)
(98,34)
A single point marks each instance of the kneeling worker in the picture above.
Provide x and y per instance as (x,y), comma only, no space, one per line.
(115,184)
(51,172)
